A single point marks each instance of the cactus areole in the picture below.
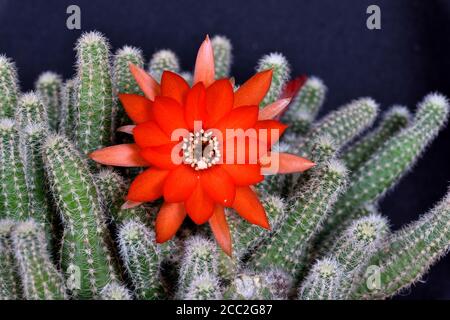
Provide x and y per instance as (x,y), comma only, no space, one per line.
(204,146)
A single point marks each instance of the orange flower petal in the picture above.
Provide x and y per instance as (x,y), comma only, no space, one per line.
(220,229)
(168,221)
(130,204)
(219,100)
(274,109)
(149,134)
(199,206)
(180,183)
(169,114)
(148,85)
(121,155)
(244,174)
(239,118)
(160,156)
(248,206)
(195,105)
(269,132)
(253,91)
(126,129)
(218,185)
(204,65)
(147,186)
(174,86)
(285,163)
(291,88)
(137,107)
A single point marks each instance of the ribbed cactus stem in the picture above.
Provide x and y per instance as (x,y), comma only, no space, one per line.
(204,287)
(312,203)
(161,61)
(123,80)
(247,237)
(382,171)
(342,125)
(200,257)
(307,103)
(394,120)
(322,282)
(409,253)
(30,109)
(34,134)
(14,196)
(281,72)
(113,189)
(10,285)
(222,56)
(9,87)
(40,279)
(354,248)
(68,113)
(48,85)
(115,291)
(95,104)
(141,258)
(85,258)
(273,184)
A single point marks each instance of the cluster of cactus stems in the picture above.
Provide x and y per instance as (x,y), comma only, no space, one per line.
(65,235)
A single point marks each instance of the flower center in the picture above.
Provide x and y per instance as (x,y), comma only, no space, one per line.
(201,150)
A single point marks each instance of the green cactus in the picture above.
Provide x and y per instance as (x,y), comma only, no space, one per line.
(14,196)
(392,160)
(115,291)
(10,286)
(141,257)
(408,253)
(39,277)
(30,109)
(305,106)
(161,61)
(113,189)
(286,247)
(68,112)
(353,249)
(85,255)
(204,287)
(123,80)
(393,121)
(200,257)
(222,56)
(48,85)
(9,87)
(96,108)
(322,282)
(281,72)
(342,125)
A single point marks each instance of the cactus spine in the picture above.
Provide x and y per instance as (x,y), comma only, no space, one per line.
(281,72)
(393,121)
(14,196)
(222,56)
(115,291)
(48,85)
(161,61)
(200,257)
(407,254)
(322,282)
(141,258)
(10,286)
(40,279)
(95,105)
(68,112)
(9,87)
(204,287)
(288,244)
(30,109)
(84,248)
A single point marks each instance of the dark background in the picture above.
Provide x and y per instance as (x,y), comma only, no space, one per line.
(408,58)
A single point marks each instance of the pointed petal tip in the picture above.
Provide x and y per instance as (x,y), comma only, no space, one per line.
(126,129)
(130,204)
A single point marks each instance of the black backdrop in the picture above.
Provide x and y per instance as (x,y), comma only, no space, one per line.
(406,59)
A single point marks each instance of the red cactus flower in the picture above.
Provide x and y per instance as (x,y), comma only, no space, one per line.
(181,134)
